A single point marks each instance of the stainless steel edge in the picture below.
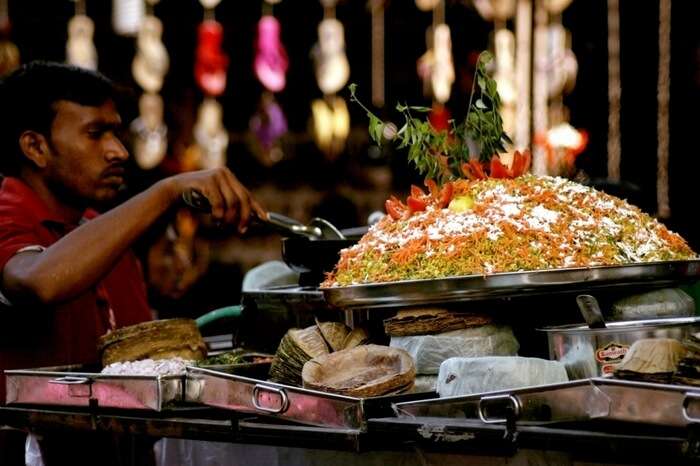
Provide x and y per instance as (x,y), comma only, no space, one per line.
(596,398)
(529,401)
(73,386)
(454,289)
(650,403)
(246,395)
(622,326)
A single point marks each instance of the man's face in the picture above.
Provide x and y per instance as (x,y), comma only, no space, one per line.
(87,158)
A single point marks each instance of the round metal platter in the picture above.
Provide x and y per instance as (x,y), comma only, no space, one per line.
(500,285)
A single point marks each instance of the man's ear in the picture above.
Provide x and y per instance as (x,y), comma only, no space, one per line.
(35,147)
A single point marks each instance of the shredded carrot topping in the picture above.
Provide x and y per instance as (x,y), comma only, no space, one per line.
(522,224)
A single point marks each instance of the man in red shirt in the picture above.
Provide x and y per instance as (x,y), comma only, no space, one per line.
(68,275)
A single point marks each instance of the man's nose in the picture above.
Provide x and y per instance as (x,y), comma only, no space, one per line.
(115,150)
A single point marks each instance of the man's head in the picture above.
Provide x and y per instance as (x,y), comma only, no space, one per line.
(61,123)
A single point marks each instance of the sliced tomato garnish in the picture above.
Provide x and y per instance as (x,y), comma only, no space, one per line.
(394,209)
(416,205)
(521,163)
(478,170)
(432,187)
(498,170)
(446,194)
(467,171)
(417,192)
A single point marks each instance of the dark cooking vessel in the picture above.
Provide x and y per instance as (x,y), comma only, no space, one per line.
(313,258)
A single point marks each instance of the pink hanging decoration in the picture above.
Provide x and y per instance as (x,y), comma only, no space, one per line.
(211,62)
(271,60)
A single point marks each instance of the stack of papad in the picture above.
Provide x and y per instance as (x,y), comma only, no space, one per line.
(427,321)
(158,339)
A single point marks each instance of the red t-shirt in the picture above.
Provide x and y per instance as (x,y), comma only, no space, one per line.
(67,333)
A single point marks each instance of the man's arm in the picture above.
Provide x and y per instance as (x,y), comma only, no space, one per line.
(78,260)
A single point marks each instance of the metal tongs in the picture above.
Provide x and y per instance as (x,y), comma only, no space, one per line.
(317,229)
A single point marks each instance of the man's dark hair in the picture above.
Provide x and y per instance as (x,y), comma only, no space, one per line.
(27,98)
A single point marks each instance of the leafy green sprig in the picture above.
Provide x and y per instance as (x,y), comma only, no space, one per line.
(483,123)
(439,155)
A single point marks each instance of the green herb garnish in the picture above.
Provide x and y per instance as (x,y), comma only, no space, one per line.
(439,155)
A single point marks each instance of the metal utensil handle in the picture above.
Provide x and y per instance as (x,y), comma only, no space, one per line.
(196,200)
(590,309)
(512,399)
(690,396)
(70,380)
(279,391)
(288,225)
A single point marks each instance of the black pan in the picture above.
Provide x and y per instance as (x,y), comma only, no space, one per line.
(314,258)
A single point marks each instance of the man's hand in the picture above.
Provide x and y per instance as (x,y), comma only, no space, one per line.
(230,201)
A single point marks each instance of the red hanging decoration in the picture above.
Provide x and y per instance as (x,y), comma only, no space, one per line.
(211,62)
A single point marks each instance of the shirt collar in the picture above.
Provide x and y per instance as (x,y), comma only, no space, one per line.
(16,191)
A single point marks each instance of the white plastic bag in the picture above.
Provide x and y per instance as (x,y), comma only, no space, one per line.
(32,452)
(428,351)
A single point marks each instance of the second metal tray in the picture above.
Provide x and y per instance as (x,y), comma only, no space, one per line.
(311,407)
(471,287)
(597,398)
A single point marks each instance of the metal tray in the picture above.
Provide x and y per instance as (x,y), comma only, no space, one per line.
(311,407)
(77,386)
(596,398)
(511,284)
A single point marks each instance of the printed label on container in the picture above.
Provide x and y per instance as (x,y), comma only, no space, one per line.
(612,352)
(608,368)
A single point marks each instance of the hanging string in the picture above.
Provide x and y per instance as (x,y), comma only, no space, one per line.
(540,87)
(439,13)
(79,7)
(663,96)
(267,9)
(329,8)
(378,78)
(614,91)
(523,31)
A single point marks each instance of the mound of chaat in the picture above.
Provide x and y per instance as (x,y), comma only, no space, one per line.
(488,216)
(490,225)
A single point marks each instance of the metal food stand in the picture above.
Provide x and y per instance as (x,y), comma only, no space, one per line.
(596,420)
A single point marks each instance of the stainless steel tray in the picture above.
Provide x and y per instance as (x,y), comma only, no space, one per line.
(511,284)
(76,386)
(246,395)
(597,398)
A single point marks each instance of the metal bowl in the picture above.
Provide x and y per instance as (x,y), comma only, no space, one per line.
(590,352)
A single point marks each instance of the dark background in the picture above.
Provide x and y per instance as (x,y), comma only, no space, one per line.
(40,32)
